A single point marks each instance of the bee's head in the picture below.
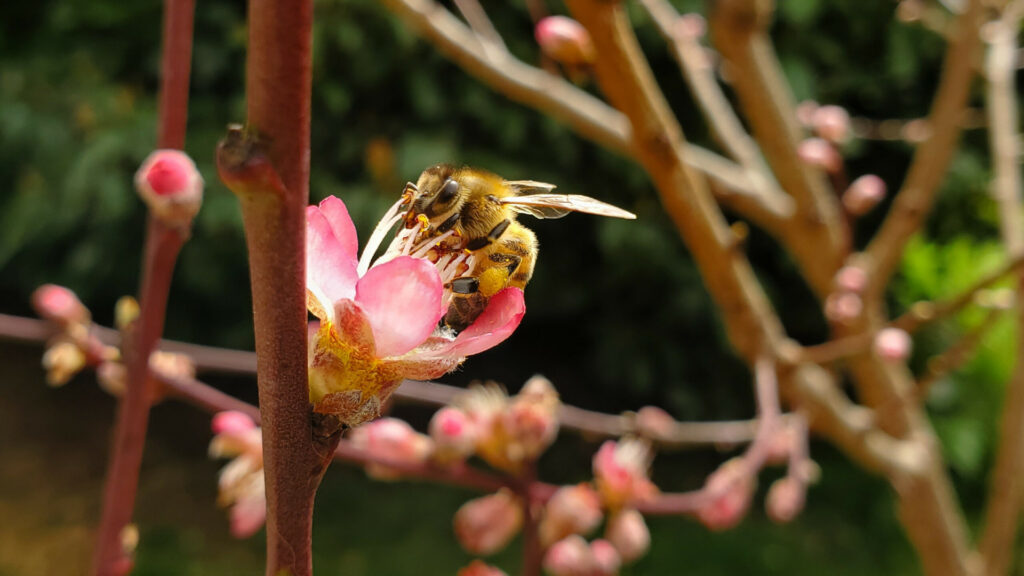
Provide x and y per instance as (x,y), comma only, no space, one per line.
(437,193)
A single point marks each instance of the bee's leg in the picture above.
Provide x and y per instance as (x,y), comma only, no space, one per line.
(449,223)
(492,236)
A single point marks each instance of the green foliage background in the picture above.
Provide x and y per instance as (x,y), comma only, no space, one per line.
(618,317)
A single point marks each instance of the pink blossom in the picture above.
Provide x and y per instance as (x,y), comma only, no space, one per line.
(571,510)
(391,439)
(59,304)
(485,525)
(454,434)
(863,194)
(379,324)
(785,499)
(893,344)
(170,185)
(606,558)
(621,471)
(628,532)
(820,153)
(730,489)
(570,556)
(240,483)
(832,123)
(564,40)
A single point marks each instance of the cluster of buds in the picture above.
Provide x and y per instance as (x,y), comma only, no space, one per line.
(240,485)
(573,556)
(845,302)
(73,348)
(391,439)
(508,433)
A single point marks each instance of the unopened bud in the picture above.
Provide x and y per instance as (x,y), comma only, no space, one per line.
(172,365)
(391,439)
(565,40)
(863,194)
(606,558)
(851,278)
(171,186)
(843,307)
(480,568)
(571,510)
(893,344)
(805,112)
(654,423)
(628,532)
(486,525)
(785,500)
(129,539)
(692,25)
(454,434)
(111,377)
(731,488)
(231,422)
(62,361)
(59,304)
(126,311)
(820,153)
(832,123)
(569,557)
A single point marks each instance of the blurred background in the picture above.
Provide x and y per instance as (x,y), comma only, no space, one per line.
(618,317)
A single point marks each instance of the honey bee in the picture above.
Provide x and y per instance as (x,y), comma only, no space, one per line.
(475,213)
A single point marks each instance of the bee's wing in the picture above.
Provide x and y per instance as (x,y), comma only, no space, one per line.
(524,187)
(558,205)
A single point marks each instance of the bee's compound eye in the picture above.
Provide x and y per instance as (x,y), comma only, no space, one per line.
(448,191)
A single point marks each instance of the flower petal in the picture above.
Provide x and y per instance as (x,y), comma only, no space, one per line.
(331,257)
(497,322)
(402,299)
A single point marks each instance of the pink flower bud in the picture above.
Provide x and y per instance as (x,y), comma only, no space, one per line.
(621,471)
(171,186)
(485,525)
(893,344)
(111,377)
(805,112)
(390,439)
(480,568)
(565,41)
(851,278)
(454,434)
(570,557)
(231,422)
(62,361)
(606,558)
(628,532)
(654,423)
(59,304)
(843,307)
(785,500)
(730,489)
(692,25)
(571,510)
(832,123)
(863,194)
(820,153)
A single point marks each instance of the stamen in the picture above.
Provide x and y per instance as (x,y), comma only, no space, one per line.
(421,249)
(391,217)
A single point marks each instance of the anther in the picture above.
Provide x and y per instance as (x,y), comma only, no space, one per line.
(424,222)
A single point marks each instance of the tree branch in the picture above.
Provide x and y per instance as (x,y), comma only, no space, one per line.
(915,198)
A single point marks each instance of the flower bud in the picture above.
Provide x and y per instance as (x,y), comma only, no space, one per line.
(126,311)
(231,422)
(485,525)
(843,307)
(621,472)
(454,434)
(916,131)
(628,532)
(570,557)
(654,423)
(805,112)
(571,510)
(606,558)
(851,278)
(820,153)
(62,361)
(565,41)
(480,568)
(785,499)
(59,304)
(112,377)
(171,186)
(235,434)
(730,490)
(249,511)
(390,439)
(893,344)
(832,123)
(692,25)
(863,194)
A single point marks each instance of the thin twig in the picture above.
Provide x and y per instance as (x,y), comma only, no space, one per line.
(955,356)
(474,13)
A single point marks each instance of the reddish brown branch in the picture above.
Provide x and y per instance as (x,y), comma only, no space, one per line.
(174,73)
